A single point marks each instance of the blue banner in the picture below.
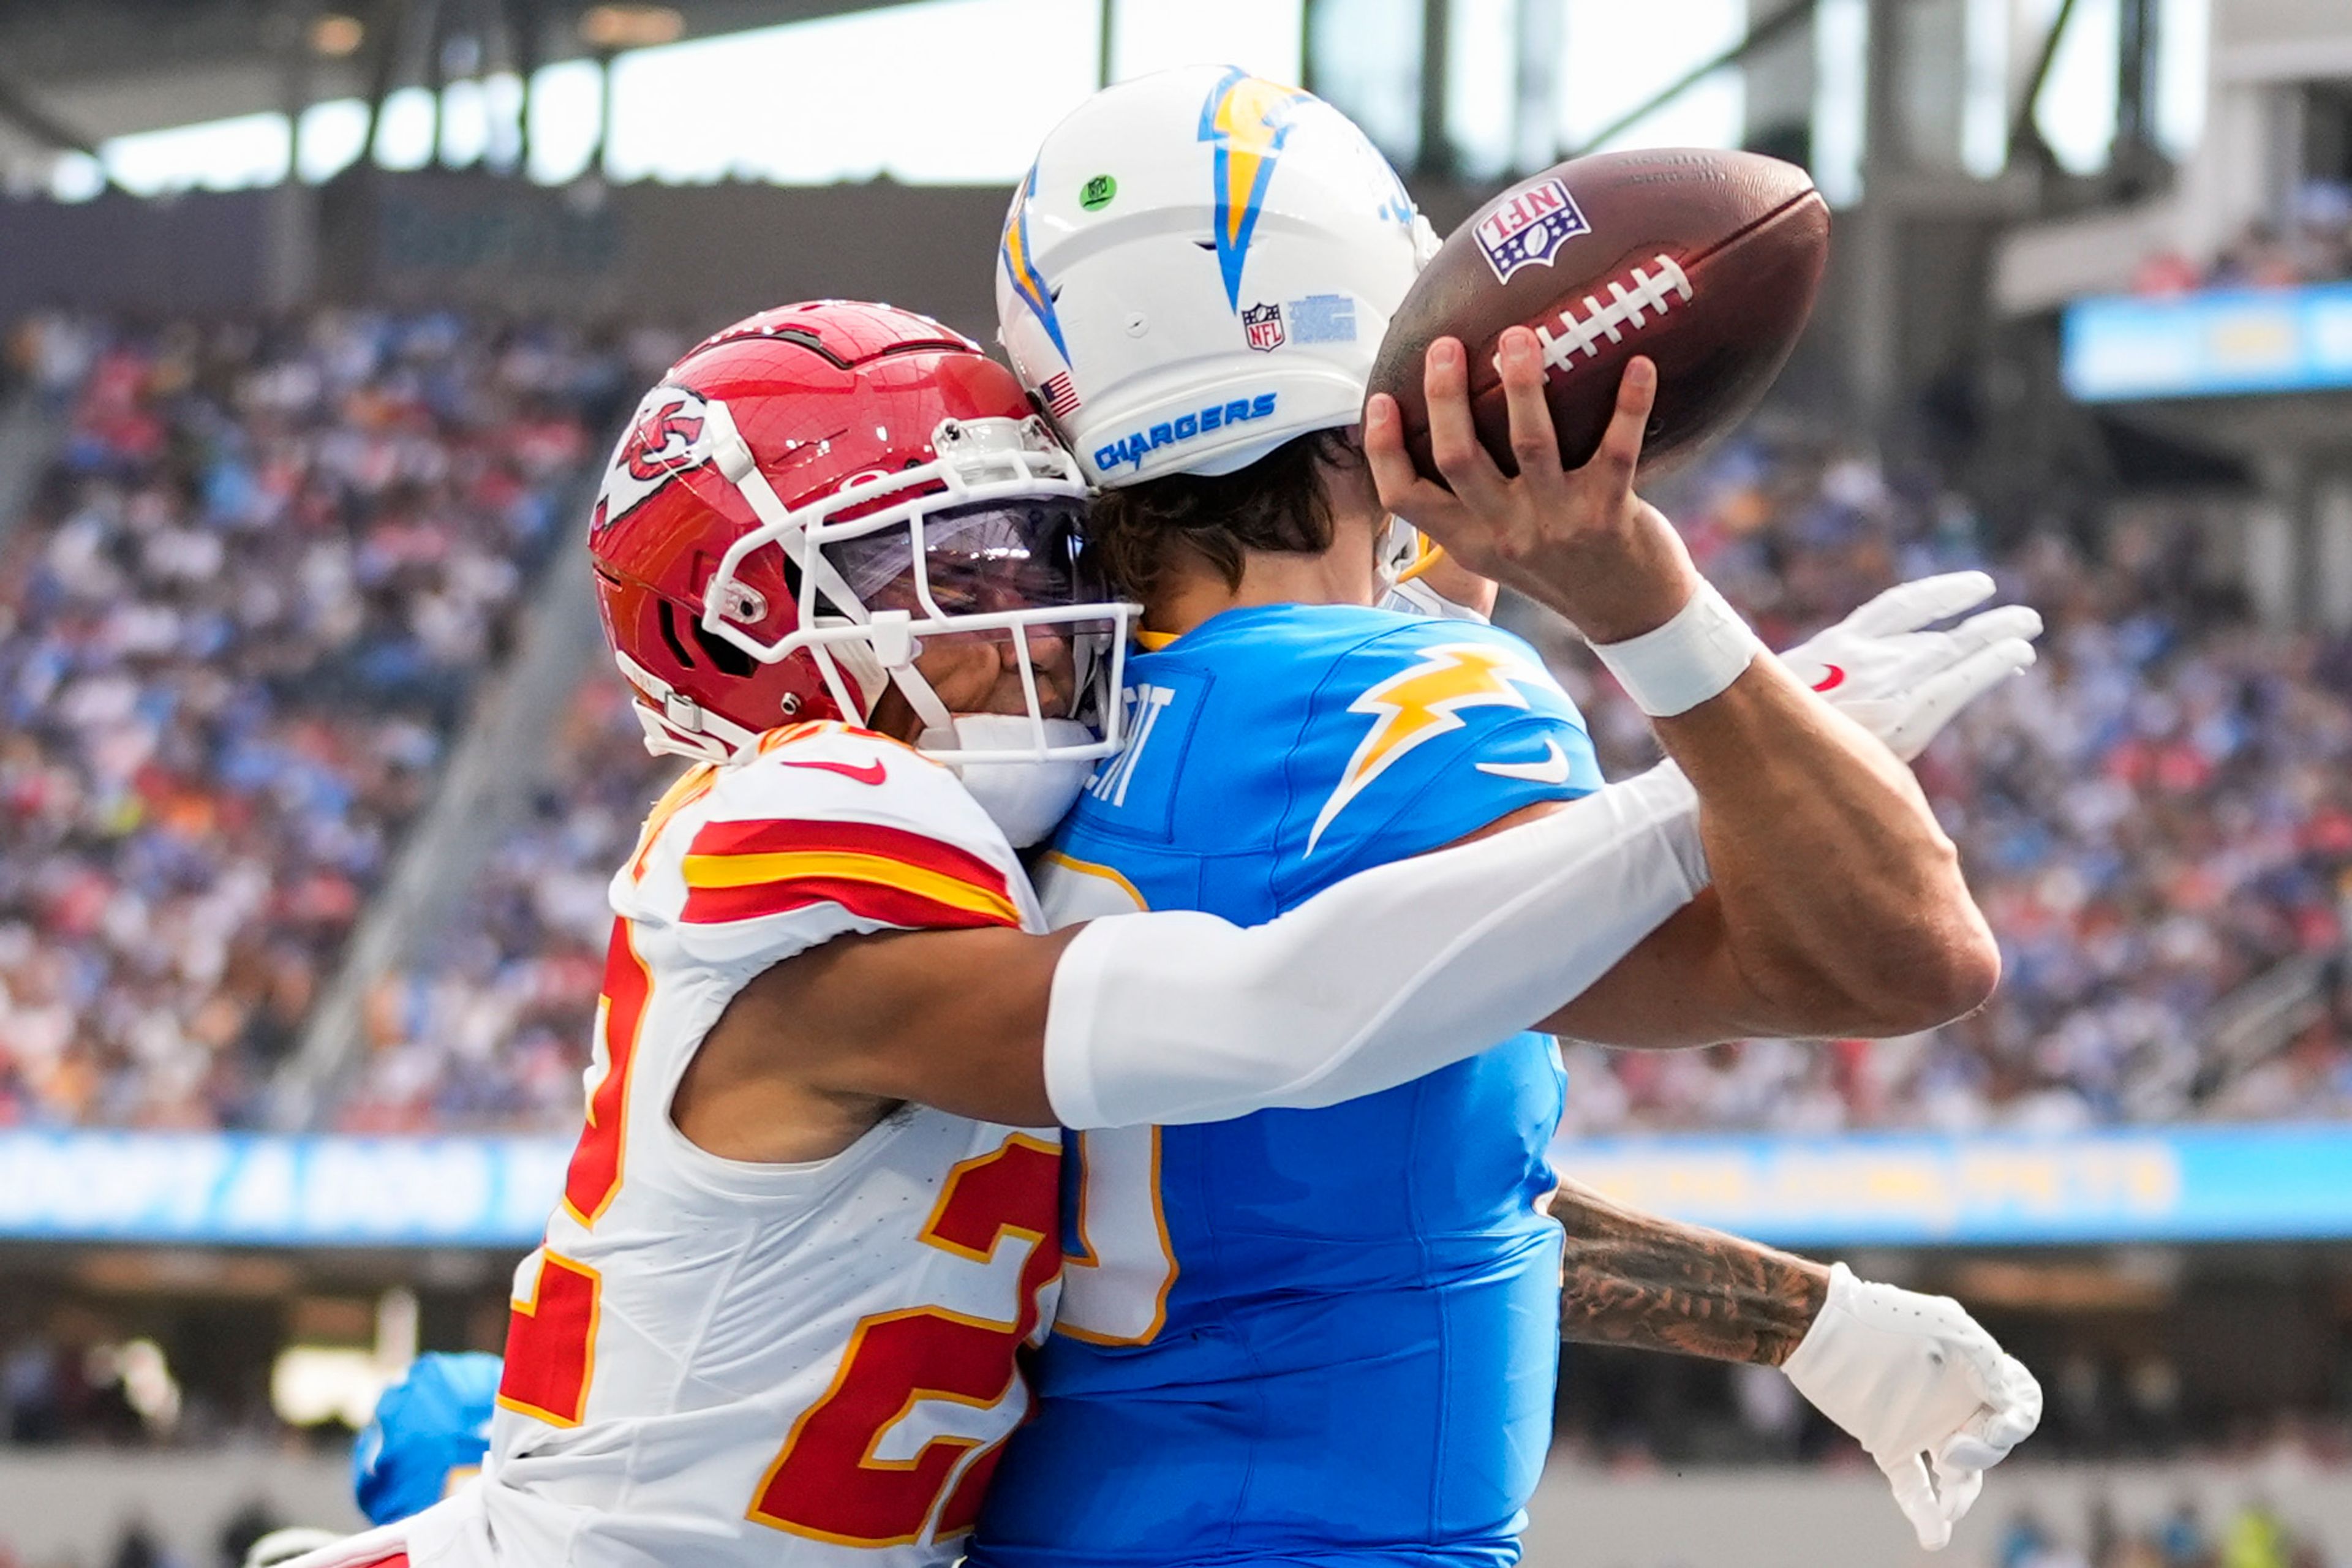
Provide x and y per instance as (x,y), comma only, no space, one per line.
(271,1191)
(2218,342)
(2181,1183)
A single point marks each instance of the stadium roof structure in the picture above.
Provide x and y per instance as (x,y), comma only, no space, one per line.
(74,72)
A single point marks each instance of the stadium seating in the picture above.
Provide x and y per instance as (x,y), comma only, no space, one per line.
(492,1027)
(247,605)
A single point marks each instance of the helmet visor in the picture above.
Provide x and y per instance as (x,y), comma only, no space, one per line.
(984,559)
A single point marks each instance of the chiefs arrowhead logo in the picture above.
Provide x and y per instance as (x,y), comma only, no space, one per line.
(663,439)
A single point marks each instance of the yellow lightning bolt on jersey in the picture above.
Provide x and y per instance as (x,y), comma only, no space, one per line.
(1420,703)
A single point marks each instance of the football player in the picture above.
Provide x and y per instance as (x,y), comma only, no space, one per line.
(814,1215)
(427,1437)
(1331,1335)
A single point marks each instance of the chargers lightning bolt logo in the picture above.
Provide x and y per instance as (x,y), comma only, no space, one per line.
(1420,703)
(1247,118)
(1021,266)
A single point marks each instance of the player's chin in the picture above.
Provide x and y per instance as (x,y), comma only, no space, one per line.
(1008,696)
(1049,706)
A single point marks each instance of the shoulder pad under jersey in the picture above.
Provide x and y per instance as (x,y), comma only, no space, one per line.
(828,830)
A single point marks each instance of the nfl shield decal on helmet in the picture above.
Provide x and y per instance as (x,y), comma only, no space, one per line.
(1529,228)
(1247,118)
(1263,325)
(664,438)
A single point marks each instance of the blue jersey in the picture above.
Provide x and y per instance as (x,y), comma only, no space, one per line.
(430,1431)
(1303,1336)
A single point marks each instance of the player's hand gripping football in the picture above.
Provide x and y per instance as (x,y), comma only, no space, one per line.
(1920,1386)
(1902,683)
(1577,540)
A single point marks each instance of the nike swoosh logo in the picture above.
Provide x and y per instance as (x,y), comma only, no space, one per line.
(1832,680)
(870,773)
(1553,769)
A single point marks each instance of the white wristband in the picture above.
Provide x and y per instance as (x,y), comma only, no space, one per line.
(1695,656)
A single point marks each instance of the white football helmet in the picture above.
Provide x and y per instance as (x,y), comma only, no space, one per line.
(1200,266)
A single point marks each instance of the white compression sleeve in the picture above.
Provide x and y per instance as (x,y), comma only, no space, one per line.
(1172,1017)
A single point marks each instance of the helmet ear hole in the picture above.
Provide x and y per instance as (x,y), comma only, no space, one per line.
(717,652)
(667,616)
(724,656)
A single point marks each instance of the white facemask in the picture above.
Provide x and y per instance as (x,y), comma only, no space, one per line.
(1027,800)
(1397,547)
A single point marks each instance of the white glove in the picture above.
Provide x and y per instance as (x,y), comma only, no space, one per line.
(1903,684)
(1911,1375)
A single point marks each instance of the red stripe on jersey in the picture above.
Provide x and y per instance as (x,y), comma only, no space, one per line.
(788,835)
(867,900)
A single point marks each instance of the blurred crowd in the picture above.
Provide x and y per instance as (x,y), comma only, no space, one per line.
(2251,1535)
(2313,246)
(2158,812)
(238,619)
(491,1027)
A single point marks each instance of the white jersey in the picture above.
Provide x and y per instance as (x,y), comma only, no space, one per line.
(725,1363)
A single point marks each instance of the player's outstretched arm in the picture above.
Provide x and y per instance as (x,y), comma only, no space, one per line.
(1181,1017)
(1176,1015)
(1838,905)
(1911,1377)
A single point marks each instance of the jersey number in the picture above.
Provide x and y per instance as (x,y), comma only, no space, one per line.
(551,1328)
(551,1341)
(593,1176)
(1117,1265)
(830,1482)
(1120,1265)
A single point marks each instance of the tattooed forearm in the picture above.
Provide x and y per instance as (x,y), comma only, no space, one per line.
(1633,1280)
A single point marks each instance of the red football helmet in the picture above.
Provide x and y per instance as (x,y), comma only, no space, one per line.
(809,494)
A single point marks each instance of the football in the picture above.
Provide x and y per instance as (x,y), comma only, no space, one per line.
(1705,261)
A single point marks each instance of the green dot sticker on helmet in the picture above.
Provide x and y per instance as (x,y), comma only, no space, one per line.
(1096,193)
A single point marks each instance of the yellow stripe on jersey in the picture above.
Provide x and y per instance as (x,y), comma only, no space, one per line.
(715,871)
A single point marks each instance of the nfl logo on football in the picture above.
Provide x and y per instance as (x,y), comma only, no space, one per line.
(1264,325)
(1528,228)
